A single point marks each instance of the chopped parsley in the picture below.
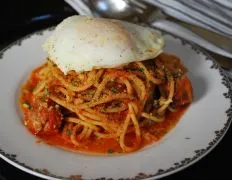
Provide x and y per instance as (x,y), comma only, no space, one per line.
(74,82)
(27,105)
(113,90)
(156,104)
(115,105)
(136,69)
(68,132)
(90,92)
(177,74)
(140,69)
(110,151)
(46,93)
(44,98)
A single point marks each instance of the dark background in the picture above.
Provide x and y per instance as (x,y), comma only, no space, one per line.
(17,20)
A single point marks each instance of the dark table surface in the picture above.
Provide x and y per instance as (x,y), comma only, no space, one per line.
(19,23)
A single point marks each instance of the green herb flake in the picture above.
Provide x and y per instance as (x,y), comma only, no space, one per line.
(110,151)
(27,105)
(177,74)
(46,92)
(90,93)
(136,69)
(68,132)
(113,90)
(44,98)
(116,105)
(74,82)
(156,104)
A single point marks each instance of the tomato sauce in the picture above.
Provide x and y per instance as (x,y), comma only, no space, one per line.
(108,146)
(149,134)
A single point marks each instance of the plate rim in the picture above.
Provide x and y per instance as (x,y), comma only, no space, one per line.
(176,167)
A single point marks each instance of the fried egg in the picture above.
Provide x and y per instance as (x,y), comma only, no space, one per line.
(83,43)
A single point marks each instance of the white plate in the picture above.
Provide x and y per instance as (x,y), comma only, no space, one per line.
(197,133)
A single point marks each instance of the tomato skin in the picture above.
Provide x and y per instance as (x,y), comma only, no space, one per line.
(184,92)
(42,120)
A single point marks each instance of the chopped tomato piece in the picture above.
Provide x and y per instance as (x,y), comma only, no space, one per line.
(42,120)
(184,92)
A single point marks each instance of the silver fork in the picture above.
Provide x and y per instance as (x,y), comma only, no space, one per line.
(148,13)
(141,7)
(138,6)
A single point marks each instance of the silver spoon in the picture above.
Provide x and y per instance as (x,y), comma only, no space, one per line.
(122,9)
(116,9)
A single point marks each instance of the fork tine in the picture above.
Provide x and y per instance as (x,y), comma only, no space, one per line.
(142,8)
(138,4)
(135,6)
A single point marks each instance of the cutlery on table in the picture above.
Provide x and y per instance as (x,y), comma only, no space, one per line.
(219,46)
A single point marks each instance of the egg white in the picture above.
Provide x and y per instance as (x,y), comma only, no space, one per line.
(82,43)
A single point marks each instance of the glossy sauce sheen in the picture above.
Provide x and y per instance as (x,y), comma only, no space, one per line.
(95,145)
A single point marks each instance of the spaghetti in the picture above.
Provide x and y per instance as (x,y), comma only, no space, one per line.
(118,109)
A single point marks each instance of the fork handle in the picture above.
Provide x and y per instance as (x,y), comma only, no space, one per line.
(213,37)
(191,35)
